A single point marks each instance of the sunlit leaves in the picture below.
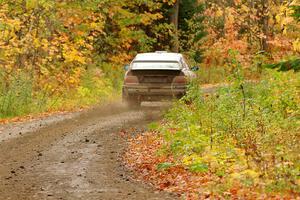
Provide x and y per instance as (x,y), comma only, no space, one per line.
(296,45)
(31,4)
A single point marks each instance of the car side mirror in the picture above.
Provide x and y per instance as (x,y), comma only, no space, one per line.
(195,68)
(126,67)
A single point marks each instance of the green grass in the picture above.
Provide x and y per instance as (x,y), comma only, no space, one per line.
(21,94)
(245,132)
(212,75)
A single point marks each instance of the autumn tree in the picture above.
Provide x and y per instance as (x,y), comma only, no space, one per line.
(134,26)
(191,28)
(186,17)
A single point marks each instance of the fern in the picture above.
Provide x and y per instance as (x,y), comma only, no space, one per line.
(286,65)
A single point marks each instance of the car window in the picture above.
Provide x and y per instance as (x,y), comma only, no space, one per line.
(188,64)
(184,64)
(145,65)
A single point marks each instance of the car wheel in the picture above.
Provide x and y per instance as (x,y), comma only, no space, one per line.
(133,103)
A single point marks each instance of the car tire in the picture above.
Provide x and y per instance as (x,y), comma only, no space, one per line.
(131,101)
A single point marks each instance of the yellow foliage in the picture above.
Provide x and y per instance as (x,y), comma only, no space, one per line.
(71,54)
(245,8)
(284,16)
(31,4)
(170,2)
(296,45)
(219,12)
(245,175)
(191,159)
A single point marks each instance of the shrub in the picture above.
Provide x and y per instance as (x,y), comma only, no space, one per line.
(21,93)
(247,132)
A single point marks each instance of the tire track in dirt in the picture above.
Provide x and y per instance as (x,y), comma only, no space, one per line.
(77,158)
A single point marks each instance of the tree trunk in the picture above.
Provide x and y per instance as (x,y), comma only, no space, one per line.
(174,21)
(224,18)
(265,25)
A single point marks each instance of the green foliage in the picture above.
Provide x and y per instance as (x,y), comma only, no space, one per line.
(18,96)
(296,13)
(164,166)
(246,132)
(198,168)
(213,74)
(191,28)
(153,126)
(286,65)
(134,26)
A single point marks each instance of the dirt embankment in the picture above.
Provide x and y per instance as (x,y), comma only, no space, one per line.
(73,157)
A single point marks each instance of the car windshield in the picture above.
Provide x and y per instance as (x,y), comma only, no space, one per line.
(147,65)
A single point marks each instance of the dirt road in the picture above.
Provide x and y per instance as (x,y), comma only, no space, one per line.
(75,156)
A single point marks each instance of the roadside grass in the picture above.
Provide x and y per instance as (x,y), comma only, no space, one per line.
(212,75)
(245,133)
(241,142)
(220,74)
(24,95)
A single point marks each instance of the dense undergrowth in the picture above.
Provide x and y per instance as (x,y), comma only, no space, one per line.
(245,137)
(23,95)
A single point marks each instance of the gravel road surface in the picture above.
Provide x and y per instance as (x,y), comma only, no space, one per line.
(74,156)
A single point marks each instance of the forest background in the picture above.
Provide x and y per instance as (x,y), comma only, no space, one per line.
(63,54)
(241,142)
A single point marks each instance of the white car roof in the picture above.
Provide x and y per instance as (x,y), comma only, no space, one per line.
(159,56)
